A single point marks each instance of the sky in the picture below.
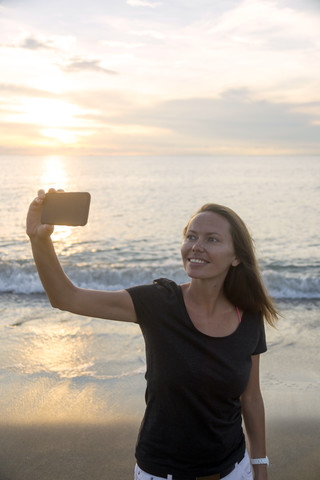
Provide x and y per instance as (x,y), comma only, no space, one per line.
(160,77)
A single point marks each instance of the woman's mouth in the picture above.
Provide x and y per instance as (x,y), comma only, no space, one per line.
(197,261)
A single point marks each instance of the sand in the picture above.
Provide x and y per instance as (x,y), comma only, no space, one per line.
(294,449)
(106,451)
(67,452)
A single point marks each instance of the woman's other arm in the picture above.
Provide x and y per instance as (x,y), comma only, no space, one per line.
(254,419)
(62,293)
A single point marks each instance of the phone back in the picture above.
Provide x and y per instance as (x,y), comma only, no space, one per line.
(66,208)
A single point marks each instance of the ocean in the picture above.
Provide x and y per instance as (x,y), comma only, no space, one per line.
(59,367)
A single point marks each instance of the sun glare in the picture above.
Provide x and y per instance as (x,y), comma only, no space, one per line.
(55,176)
(57,351)
(50,112)
(58,118)
(64,136)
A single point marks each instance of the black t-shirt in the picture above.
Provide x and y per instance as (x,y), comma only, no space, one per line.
(192,424)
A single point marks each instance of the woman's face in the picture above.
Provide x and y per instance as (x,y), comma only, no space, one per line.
(207,250)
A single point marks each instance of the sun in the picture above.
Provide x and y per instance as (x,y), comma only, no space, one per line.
(59,120)
(50,112)
(63,135)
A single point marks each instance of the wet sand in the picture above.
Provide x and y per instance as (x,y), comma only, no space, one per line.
(106,451)
(67,452)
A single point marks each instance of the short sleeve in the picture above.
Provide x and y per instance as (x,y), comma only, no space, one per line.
(142,296)
(261,345)
(154,301)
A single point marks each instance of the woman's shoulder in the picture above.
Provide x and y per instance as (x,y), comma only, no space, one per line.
(155,300)
(253,320)
(252,316)
(159,288)
(166,283)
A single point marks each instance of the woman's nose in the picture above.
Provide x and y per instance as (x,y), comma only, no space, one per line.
(197,246)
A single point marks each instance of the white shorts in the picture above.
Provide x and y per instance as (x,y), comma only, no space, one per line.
(242,471)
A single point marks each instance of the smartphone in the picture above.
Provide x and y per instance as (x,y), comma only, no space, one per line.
(66,208)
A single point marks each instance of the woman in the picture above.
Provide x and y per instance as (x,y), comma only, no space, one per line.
(203,342)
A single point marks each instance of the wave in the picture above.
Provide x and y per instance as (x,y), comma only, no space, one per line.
(286,285)
(283,282)
(21,277)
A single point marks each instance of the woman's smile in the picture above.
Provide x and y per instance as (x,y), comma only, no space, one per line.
(198,261)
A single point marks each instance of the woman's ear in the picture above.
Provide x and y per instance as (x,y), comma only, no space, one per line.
(235,262)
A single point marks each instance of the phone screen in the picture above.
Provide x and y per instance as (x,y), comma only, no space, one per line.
(66,208)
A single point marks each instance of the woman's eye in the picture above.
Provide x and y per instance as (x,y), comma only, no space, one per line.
(213,239)
(190,236)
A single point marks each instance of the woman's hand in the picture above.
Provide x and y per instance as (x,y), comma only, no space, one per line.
(34,227)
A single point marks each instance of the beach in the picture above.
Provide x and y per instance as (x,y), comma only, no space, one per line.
(67,452)
(72,388)
(57,428)
(106,451)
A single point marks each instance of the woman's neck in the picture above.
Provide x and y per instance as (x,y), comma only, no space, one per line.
(207,295)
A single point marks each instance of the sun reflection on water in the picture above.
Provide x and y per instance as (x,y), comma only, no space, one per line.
(59,349)
(55,175)
(61,234)
(50,374)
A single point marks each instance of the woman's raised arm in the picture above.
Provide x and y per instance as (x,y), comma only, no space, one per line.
(62,293)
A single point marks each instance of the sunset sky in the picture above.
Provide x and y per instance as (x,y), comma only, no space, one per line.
(158,77)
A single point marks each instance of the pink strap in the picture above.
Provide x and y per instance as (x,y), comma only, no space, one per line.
(239,316)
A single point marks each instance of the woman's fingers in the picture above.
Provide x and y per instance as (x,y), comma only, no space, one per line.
(34,226)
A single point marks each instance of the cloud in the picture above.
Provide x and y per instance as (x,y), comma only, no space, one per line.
(155,34)
(229,75)
(143,3)
(80,64)
(34,43)
(122,45)
(237,117)
(234,122)
(263,22)
(31,42)
(23,91)
(38,42)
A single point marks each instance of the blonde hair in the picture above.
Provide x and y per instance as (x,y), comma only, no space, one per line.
(243,285)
